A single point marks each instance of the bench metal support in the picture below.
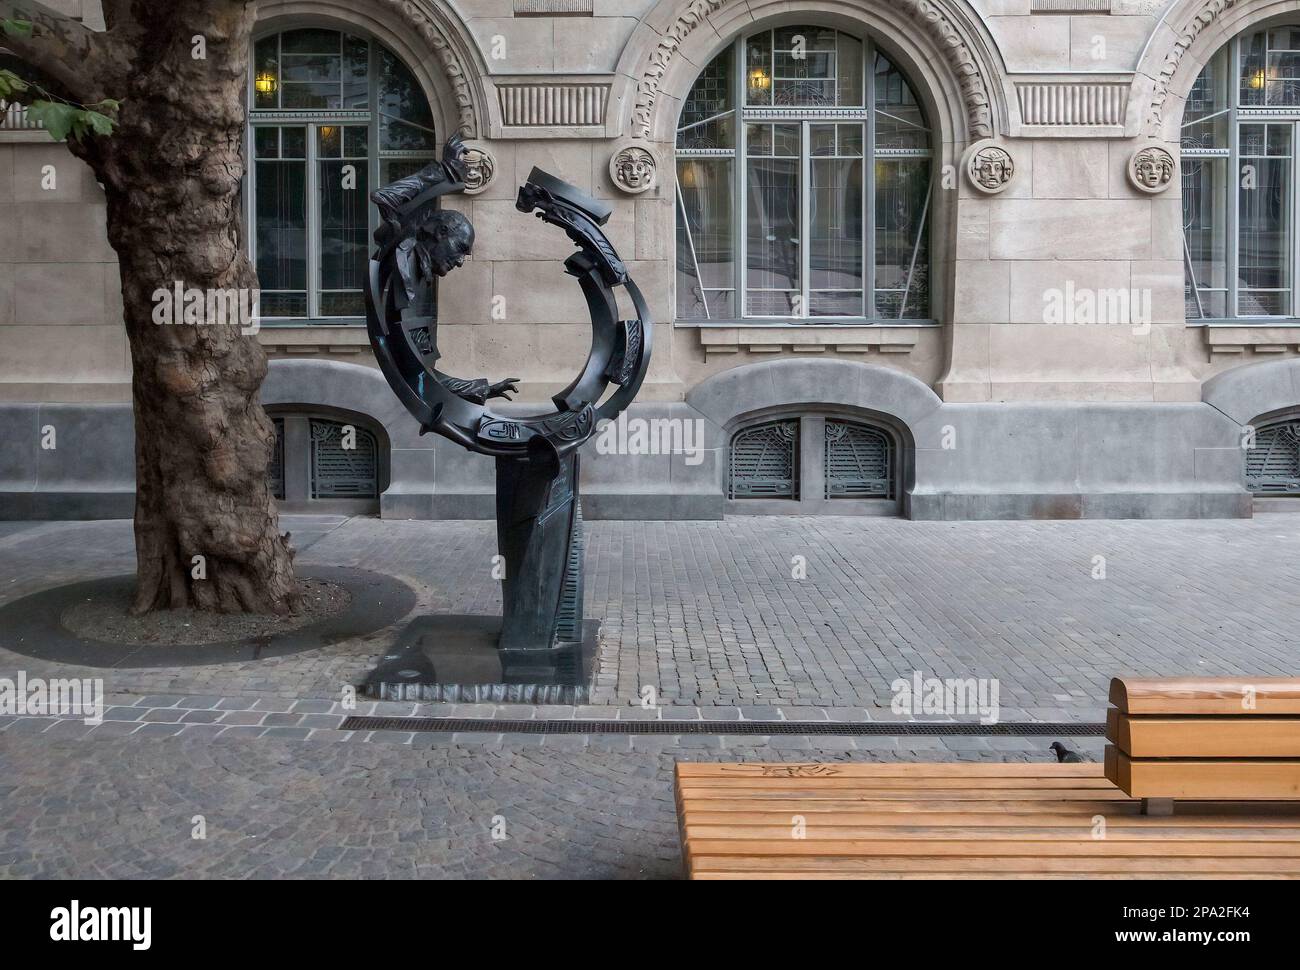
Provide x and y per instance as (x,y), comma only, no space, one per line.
(1157,806)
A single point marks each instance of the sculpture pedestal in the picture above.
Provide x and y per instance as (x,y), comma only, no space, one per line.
(456,658)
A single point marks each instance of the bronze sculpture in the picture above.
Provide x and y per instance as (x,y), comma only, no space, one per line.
(539,515)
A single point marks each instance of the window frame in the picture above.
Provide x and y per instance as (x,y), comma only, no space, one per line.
(313,119)
(743,115)
(1227,189)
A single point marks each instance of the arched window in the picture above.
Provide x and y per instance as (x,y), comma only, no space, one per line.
(1273,463)
(332,116)
(803,184)
(1241,252)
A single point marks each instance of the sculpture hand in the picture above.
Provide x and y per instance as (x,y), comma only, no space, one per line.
(453,158)
(504,388)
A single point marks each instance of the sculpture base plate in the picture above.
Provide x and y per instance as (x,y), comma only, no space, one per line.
(455,658)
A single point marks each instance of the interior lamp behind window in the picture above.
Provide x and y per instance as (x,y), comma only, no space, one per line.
(265,83)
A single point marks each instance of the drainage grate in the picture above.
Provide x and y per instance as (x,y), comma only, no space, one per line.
(855,728)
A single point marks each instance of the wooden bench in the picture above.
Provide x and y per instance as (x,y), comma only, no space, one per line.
(1199,738)
(962,821)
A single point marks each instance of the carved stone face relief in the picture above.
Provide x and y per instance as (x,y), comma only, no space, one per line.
(990,168)
(633,169)
(482,169)
(1151,169)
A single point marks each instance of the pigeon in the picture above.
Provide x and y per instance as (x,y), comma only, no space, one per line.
(1064,755)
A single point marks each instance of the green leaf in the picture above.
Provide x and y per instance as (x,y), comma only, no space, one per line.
(16,28)
(58,119)
(11,83)
(100,124)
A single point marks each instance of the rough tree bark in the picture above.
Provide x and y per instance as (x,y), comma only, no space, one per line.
(171,173)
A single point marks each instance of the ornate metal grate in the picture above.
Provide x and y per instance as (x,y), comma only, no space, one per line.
(340,471)
(275,474)
(1273,465)
(859,461)
(765,461)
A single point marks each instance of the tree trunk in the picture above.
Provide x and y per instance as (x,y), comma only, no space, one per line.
(172,173)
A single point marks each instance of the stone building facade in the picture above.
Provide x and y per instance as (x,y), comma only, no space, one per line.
(945,259)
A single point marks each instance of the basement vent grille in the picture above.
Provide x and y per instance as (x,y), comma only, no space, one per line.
(343,472)
(765,461)
(859,461)
(1273,465)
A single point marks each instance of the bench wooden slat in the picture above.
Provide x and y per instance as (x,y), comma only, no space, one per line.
(1155,736)
(873,770)
(793,864)
(942,821)
(1204,695)
(1188,778)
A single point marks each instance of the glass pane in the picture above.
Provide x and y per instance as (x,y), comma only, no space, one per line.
(713,92)
(406,120)
(343,230)
(281,232)
(329,142)
(1205,196)
(705,249)
(1252,69)
(805,38)
(293,142)
(758,69)
(717,133)
(1205,120)
(835,230)
(902,263)
(354,141)
(849,62)
(266,142)
(1264,221)
(312,68)
(772,237)
(311,41)
(900,122)
(309,96)
(356,73)
(266,73)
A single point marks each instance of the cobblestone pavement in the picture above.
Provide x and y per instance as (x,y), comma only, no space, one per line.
(707,613)
(572,807)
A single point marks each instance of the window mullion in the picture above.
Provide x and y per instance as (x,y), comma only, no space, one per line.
(1232,242)
(313,224)
(805,217)
(739,217)
(869,187)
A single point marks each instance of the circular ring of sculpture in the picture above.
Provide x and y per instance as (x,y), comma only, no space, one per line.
(633,169)
(989,167)
(1151,169)
(404,337)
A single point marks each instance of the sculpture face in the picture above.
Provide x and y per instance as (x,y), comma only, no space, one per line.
(443,242)
(992,168)
(635,169)
(1152,169)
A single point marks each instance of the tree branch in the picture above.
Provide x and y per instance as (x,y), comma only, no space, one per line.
(69,53)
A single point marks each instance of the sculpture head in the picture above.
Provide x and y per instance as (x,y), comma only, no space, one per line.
(992,167)
(1153,167)
(443,241)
